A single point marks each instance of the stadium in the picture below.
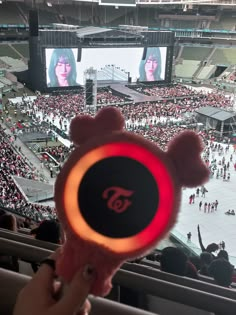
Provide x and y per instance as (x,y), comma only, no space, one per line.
(169,68)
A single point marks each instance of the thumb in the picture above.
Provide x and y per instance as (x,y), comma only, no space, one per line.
(77,291)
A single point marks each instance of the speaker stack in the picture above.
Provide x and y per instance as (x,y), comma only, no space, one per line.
(89,92)
(33,23)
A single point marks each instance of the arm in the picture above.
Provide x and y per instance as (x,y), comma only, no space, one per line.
(200,239)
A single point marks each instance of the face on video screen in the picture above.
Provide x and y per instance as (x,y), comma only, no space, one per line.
(111,65)
(151,66)
(61,67)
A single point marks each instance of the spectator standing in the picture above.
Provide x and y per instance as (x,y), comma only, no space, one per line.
(200,205)
(189,235)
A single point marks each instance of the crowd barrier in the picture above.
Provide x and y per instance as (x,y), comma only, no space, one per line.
(23,251)
(177,293)
(37,253)
(18,237)
(21,238)
(217,300)
(188,282)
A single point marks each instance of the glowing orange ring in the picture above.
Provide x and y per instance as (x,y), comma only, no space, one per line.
(162,178)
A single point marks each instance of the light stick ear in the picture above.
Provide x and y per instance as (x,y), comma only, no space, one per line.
(84,127)
(185,153)
(110,119)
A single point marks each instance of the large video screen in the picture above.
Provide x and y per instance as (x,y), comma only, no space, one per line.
(112,65)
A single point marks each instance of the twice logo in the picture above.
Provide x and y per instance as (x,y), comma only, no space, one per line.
(114,202)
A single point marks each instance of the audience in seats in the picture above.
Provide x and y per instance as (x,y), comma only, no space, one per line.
(153,120)
(223,254)
(8,222)
(174,260)
(67,106)
(47,231)
(177,90)
(195,98)
(105,96)
(13,164)
(205,261)
(60,153)
(64,108)
(222,272)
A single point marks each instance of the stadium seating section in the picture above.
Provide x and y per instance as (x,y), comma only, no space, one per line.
(225,56)
(47,17)
(224,23)
(9,14)
(85,14)
(191,61)
(7,50)
(201,62)
(184,24)
(195,53)
(23,49)
(205,72)
(187,68)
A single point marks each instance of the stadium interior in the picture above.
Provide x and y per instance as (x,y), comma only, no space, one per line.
(195,90)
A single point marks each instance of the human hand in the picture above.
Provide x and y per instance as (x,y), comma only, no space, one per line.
(41,294)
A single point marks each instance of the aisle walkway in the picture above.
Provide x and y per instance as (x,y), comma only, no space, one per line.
(31,157)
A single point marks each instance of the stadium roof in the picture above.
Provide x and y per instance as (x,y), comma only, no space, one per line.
(215,113)
(207,111)
(221,3)
(223,115)
(91,30)
(94,32)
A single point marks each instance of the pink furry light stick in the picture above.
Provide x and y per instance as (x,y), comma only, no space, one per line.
(118,194)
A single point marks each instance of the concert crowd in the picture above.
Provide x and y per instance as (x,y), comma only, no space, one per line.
(158,121)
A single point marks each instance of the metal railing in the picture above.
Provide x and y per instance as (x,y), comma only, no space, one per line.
(184,281)
(12,283)
(147,285)
(156,265)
